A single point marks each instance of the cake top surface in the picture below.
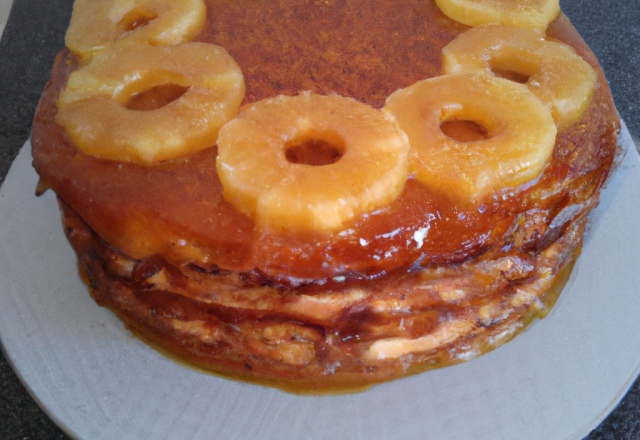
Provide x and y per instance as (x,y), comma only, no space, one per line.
(363,50)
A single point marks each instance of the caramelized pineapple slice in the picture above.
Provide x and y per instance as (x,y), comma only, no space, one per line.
(532,14)
(97,24)
(553,71)
(514,142)
(310,162)
(101,113)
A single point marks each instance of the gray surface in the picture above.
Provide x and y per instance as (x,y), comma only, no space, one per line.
(35,33)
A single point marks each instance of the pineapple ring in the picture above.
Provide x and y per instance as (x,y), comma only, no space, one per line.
(260,181)
(520,133)
(558,76)
(532,14)
(97,24)
(92,107)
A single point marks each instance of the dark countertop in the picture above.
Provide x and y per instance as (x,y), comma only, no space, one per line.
(35,33)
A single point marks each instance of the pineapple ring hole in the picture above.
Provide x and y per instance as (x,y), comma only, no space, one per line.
(511,75)
(135,18)
(463,130)
(513,68)
(156,97)
(325,149)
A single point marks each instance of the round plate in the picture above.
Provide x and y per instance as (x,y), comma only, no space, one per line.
(557,380)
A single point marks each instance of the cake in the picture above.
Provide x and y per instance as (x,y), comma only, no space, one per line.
(321,196)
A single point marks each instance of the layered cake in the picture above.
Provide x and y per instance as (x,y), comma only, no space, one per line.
(323,195)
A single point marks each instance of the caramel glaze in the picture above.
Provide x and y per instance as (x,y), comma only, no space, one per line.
(176,209)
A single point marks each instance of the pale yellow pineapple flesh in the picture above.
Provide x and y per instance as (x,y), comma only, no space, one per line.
(554,72)
(94,113)
(261,181)
(532,14)
(520,133)
(95,25)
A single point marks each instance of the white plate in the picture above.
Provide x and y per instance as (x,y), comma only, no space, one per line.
(558,380)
